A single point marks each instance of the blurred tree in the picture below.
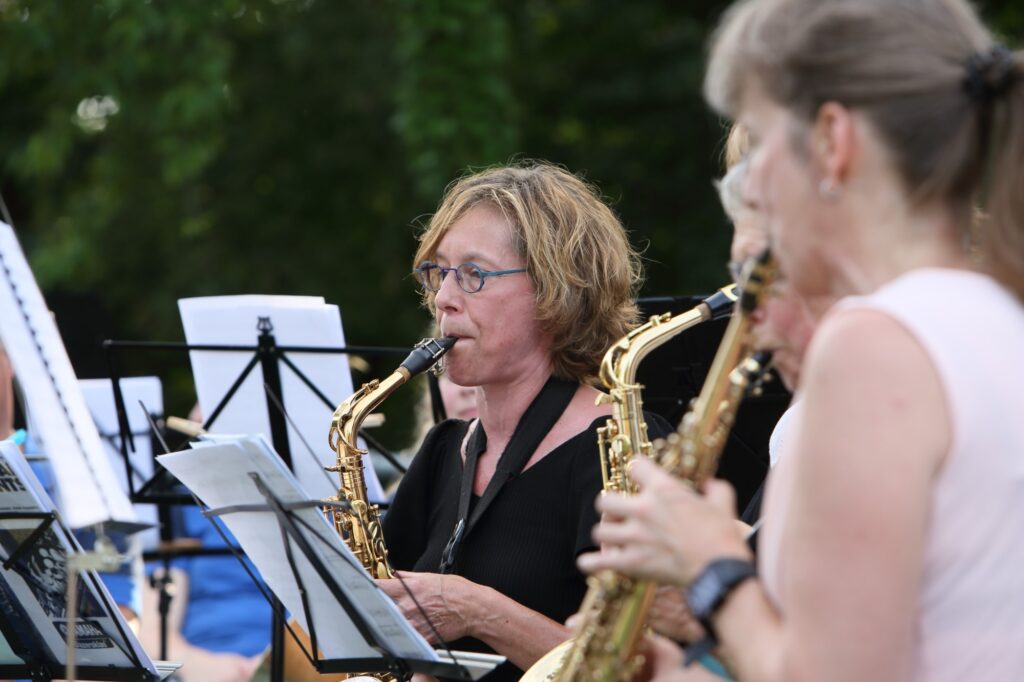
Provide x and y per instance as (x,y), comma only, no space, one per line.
(152,150)
(454,102)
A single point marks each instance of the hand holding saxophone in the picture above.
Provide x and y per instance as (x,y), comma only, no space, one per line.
(667,532)
(670,616)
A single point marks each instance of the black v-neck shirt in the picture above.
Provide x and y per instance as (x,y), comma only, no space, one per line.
(525,544)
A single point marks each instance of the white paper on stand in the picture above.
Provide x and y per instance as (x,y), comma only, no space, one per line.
(297,321)
(219,473)
(99,398)
(59,420)
(37,584)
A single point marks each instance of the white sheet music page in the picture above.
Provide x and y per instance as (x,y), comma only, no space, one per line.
(297,321)
(59,420)
(99,398)
(220,473)
(33,592)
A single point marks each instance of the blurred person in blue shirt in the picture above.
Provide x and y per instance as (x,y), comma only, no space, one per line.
(218,621)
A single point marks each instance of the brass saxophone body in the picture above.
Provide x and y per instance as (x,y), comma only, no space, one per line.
(625,433)
(623,437)
(359,524)
(358,521)
(691,453)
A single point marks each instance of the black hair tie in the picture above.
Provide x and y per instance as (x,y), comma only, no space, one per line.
(989,74)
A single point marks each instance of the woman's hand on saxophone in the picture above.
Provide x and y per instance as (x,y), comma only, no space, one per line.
(664,663)
(445,603)
(667,532)
(670,617)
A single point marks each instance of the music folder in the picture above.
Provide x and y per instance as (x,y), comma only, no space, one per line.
(35,620)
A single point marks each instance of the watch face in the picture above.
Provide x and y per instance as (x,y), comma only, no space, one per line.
(702,593)
(715,583)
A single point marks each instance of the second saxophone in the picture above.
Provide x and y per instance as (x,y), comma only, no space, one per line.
(614,610)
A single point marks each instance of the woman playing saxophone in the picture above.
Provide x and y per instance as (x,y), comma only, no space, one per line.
(535,276)
(892,542)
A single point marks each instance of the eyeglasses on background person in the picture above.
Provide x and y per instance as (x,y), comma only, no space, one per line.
(470,276)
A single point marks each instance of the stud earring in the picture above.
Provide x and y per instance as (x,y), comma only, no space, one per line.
(829,189)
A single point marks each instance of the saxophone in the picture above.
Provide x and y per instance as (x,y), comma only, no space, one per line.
(358,521)
(624,436)
(613,613)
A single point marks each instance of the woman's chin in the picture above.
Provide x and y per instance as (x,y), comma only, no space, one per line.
(460,376)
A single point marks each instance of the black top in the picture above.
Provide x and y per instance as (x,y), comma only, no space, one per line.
(526,544)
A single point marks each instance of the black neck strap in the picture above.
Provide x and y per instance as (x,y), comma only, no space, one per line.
(533,426)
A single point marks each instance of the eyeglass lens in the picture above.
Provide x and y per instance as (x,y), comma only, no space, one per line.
(468,276)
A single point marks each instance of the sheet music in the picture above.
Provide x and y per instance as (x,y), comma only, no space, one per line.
(218,472)
(59,419)
(476,664)
(297,321)
(33,592)
(99,398)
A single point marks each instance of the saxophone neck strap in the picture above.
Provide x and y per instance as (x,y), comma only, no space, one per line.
(533,426)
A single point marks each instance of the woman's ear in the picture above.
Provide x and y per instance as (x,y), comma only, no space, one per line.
(833,145)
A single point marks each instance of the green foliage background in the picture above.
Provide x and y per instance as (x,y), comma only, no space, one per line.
(289,146)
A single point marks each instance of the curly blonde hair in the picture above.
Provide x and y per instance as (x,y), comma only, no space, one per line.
(584,271)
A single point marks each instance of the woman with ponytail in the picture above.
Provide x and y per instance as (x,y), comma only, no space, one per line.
(893,534)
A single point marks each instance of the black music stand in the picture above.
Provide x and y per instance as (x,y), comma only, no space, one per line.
(26,640)
(295,530)
(162,489)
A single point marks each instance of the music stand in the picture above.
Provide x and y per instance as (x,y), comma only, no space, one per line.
(161,489)
(311,570)
(37,618)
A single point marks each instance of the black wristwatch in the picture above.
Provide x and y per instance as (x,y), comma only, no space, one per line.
(708,592)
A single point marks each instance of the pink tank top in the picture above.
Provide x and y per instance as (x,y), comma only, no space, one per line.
(971,607)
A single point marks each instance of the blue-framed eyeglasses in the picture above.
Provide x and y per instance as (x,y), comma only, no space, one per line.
(470,276)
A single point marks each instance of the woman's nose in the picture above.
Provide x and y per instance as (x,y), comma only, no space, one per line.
(449,295)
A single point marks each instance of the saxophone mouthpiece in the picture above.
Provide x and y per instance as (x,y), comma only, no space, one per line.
(426,354)
(721,303)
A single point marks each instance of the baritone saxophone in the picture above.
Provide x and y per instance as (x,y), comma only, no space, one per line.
(624,434)
(614,611)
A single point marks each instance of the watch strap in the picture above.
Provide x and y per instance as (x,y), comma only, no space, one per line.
(708,592)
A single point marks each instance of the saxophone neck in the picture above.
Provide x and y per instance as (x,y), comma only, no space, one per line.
(351,413)
(349,417)
(620,362)
(693,453)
